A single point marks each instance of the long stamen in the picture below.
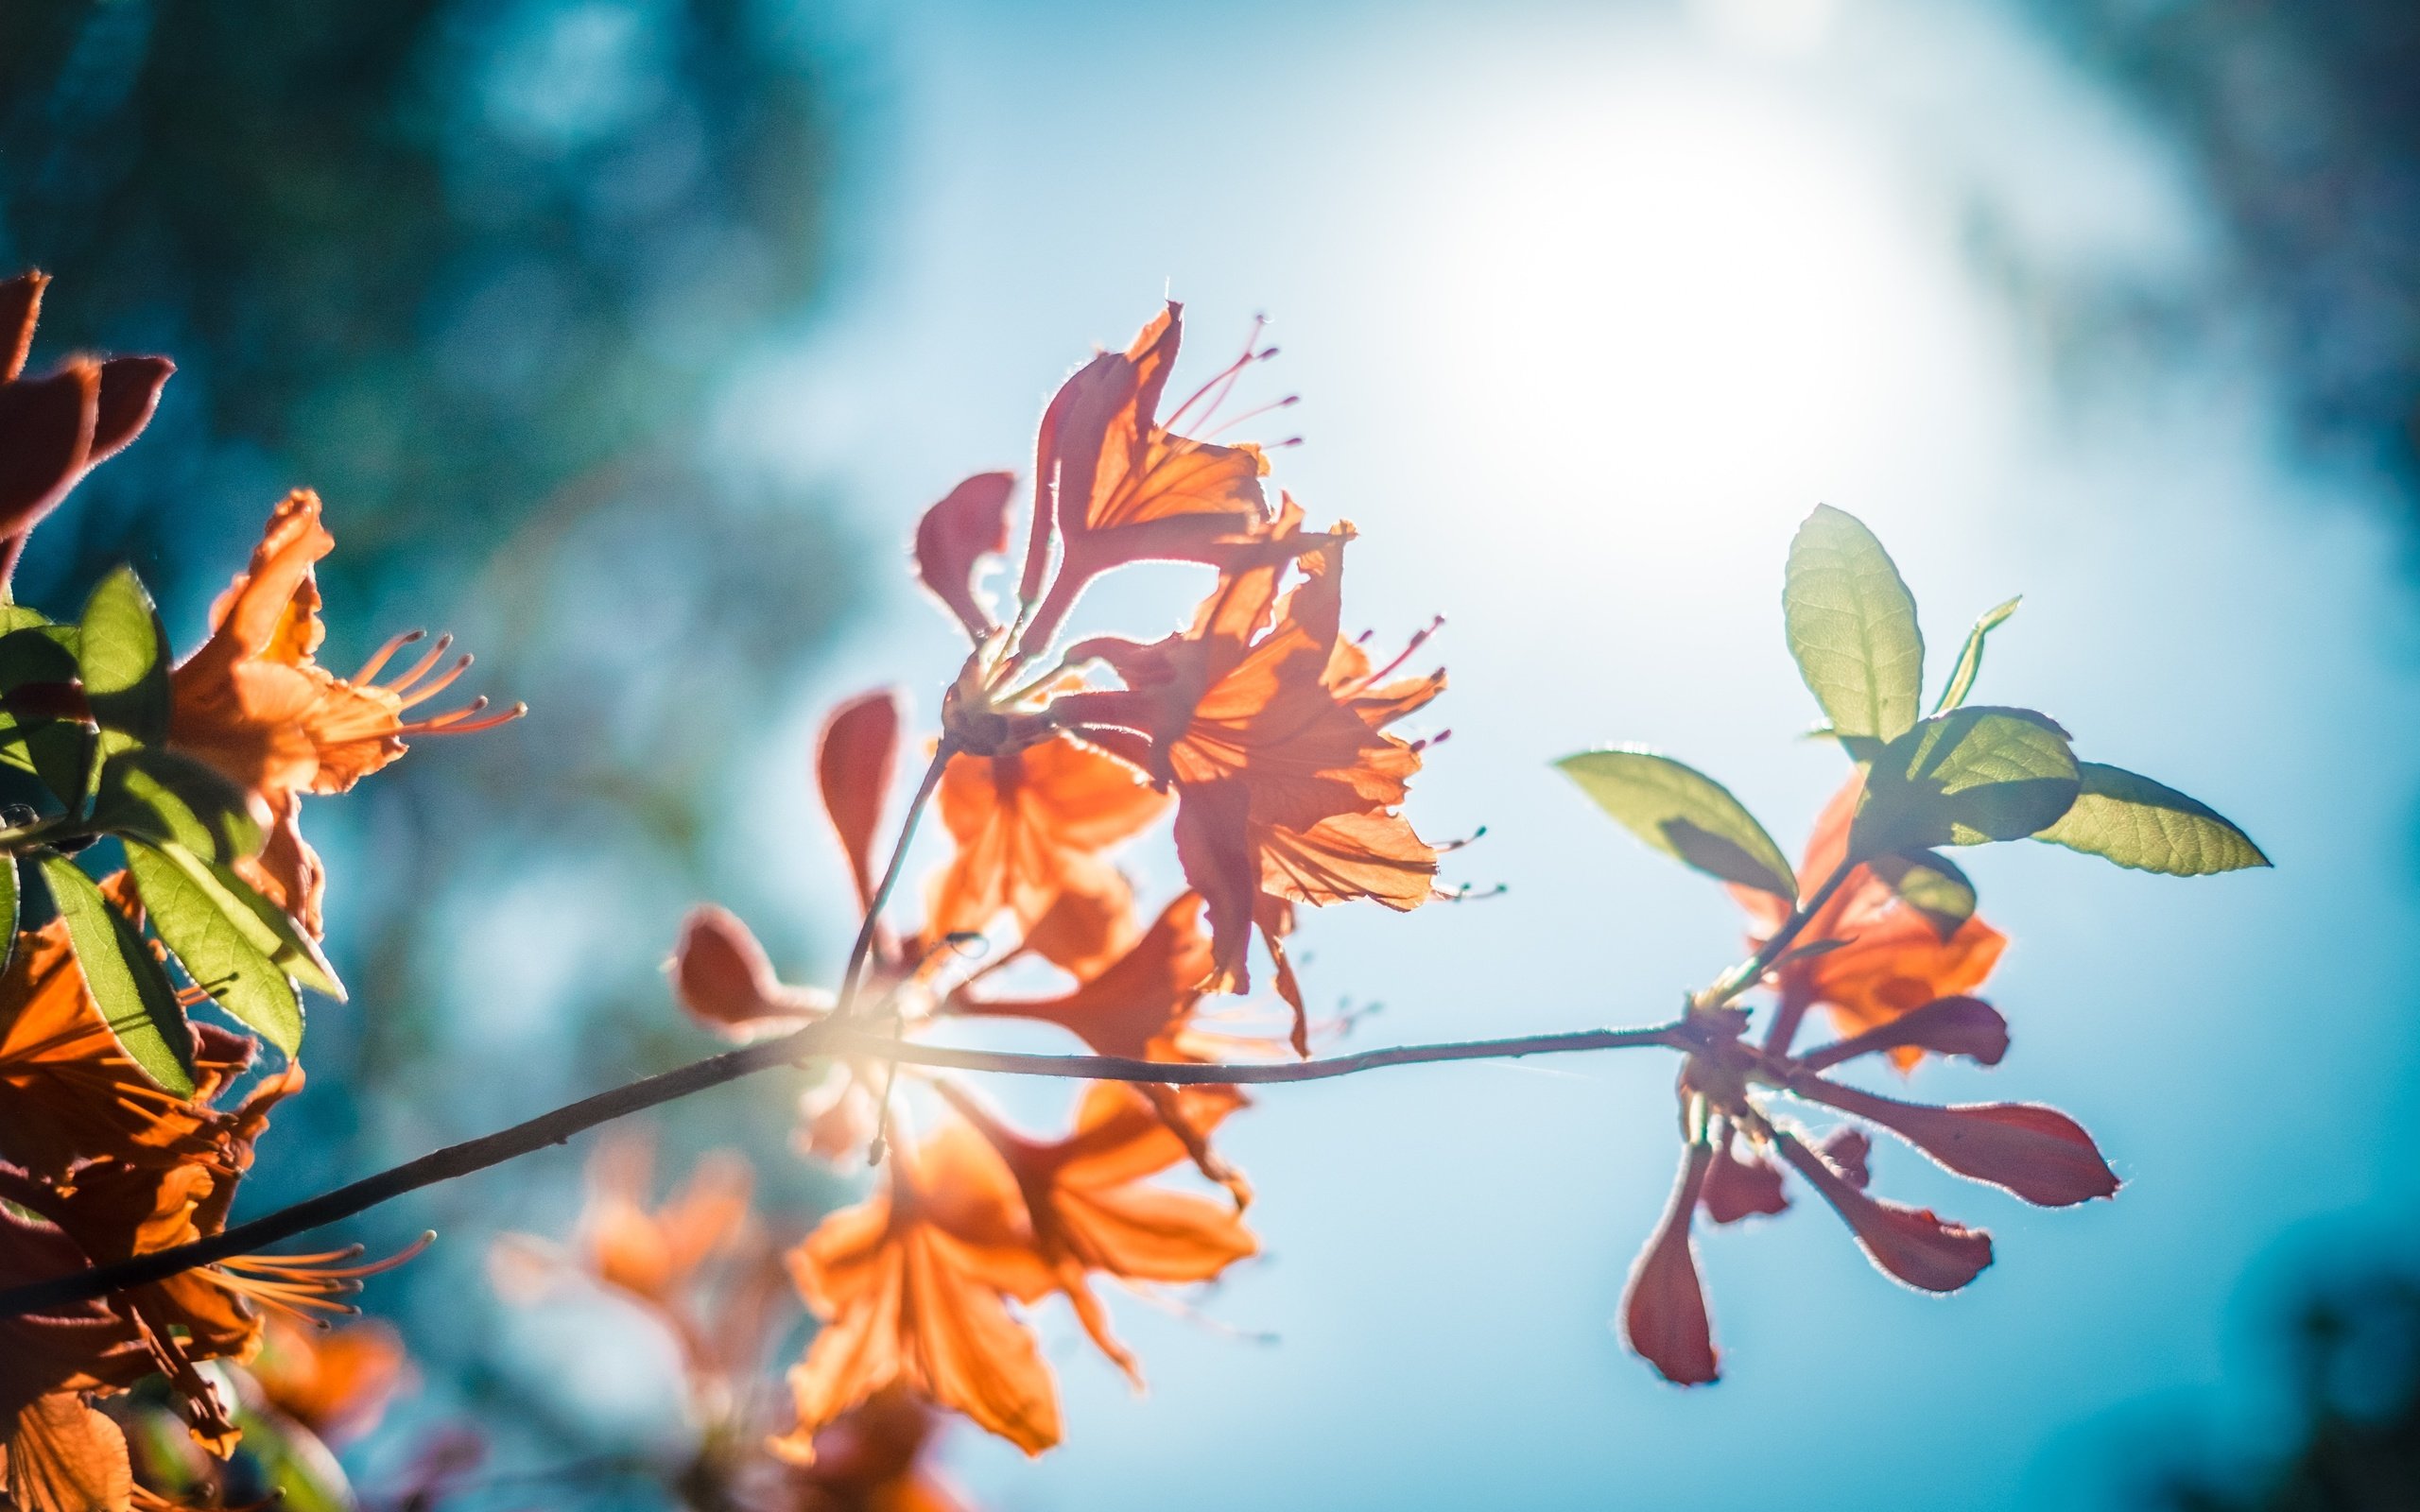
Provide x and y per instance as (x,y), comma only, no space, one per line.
(379,658)
(438,686)
(454,722)
(420,668)
(1224,375)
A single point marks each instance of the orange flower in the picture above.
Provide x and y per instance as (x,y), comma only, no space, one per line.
(1141,1007)
(870,1459)
(65,1455)
(336,1383)
(1271,731)
(255,704)
(913,1285)
(1894,960)
(1031,828)
(54,430)
(1120,487)
(69,1092)
(1089,1210)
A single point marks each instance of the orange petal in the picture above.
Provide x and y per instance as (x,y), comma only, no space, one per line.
(20,307)
(45,441)
(65,1456)
(969,523)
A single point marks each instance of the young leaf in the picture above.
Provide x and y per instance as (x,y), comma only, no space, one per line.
(1852,625)
(8,910)
(134,993)
(124,660)
(158,795)
(264,924)
(1930,883)
(1970,656)
(2138,823)
(1962,778)
(217,948)
(1685,813)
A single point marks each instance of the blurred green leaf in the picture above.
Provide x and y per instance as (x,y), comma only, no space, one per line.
(158,795)
(8,910)
(124,659)
(1685,813)
(134,993)
(265,925)
(1852,626)
(1930,883)
(292,1460)
(216,948)
(1970,656)
(2139,823)
(1963,778)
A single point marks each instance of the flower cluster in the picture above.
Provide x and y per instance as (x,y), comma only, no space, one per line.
(703,1267)
(126,1123)
(1258,730)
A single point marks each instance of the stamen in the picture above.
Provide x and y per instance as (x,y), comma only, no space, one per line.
(1225,376)
(1469,893)
(1438,739)
(420,668)
(431,690)
(300,1285)
(379,658)
(452,724)
(1472,838)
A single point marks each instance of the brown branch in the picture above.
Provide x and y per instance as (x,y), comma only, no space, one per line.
(824,1038)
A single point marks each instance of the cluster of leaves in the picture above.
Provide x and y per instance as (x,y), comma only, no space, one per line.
(75,776)
(1880,928)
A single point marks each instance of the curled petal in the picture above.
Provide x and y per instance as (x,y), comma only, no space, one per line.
(45,441)
(969,523)
(1909,1244)
(1736,1188)
(853,760)
(20,307)
(1214,848)
(2038,1153)
(1945,1026)
(723,979)
(1664,1309)
(129,392)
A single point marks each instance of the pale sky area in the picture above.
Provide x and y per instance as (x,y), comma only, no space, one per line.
(1587,311)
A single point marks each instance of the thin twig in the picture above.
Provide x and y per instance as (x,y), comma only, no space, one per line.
(859,952)
(824,1038)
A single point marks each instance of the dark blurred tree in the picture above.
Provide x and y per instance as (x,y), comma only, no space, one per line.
(2354,1353)
(2303,117)
(481,271)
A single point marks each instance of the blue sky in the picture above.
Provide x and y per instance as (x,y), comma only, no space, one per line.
(1588,309)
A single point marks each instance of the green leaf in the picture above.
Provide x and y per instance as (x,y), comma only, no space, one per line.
(1970,656)
(14,617)
(216,947)
(31,654)
(8,910)
(1963,778)
(125,979)
(265,925)
(124,660)
(1930,883)
(158,795)
(1685,813)
(2139,823)
(1852,625)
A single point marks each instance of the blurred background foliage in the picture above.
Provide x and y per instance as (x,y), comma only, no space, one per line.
(2302,127)
(485,272)
(481,273)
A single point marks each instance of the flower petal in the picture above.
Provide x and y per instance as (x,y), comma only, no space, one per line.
(45,441)
(1736,1188)
(969,523)
(2038,1153)
(1908,1244)
(1664,1313)
(1945,1026)
(853,761)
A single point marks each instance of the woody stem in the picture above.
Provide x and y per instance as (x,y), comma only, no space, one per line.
(825,1037)
(852,978)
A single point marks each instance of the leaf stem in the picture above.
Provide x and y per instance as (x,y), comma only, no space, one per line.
(826,1037)
(1748,972)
